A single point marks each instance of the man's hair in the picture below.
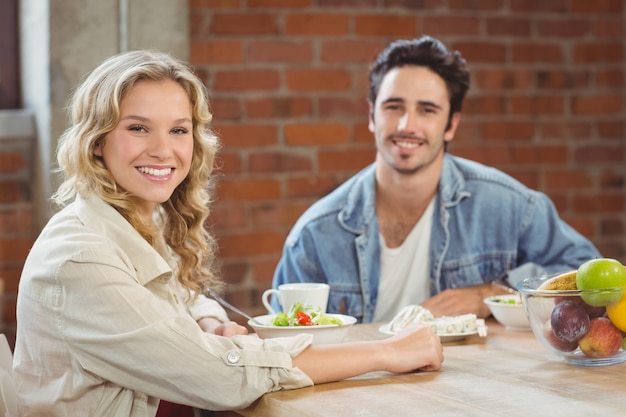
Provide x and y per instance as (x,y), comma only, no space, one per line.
(425,52)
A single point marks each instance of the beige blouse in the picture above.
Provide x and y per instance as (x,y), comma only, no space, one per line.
(104,330)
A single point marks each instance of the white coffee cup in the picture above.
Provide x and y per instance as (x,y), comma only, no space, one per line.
(314,294)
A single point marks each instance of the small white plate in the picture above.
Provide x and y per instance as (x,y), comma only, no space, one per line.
(448,337)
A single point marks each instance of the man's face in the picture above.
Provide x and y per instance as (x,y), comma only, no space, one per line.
(410,117)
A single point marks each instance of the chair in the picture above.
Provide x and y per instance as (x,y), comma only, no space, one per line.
(8,395)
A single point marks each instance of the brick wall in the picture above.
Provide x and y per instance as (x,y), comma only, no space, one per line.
(288,85)
(17,231)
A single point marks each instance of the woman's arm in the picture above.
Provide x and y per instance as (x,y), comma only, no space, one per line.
(415,348)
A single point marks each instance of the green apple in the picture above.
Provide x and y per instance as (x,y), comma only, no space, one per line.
(604,279)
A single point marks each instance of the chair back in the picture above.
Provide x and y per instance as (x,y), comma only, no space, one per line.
(8,394)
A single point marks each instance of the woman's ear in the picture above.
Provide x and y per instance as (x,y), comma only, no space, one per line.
(97,148)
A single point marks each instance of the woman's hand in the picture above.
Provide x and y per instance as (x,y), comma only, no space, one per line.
(227,329)
(416,347)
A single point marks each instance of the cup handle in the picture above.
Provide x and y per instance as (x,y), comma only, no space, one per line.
(265,298)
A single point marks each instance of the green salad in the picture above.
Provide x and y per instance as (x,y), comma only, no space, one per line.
(305,315)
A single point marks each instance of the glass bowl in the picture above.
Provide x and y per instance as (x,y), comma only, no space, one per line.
(562,329)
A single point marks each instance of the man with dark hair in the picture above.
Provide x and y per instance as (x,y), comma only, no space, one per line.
(419,225)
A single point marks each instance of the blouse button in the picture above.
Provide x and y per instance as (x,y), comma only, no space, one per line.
(233,357)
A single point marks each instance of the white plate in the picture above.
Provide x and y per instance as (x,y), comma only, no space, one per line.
(326,334)
(448,337)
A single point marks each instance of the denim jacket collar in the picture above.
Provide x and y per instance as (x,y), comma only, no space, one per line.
(360,206)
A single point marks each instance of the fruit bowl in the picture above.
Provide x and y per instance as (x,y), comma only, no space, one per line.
(508,310)
(570,328)
(322,334)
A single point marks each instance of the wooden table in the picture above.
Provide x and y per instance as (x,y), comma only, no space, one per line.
(507,374)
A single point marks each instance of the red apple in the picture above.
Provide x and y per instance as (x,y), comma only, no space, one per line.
(555,342)
(602,340)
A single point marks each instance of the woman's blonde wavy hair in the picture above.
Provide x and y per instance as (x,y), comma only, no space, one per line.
(95,111)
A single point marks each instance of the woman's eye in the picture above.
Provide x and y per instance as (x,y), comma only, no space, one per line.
(137,128)
(179,131)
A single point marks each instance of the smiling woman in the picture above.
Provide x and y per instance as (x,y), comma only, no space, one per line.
(111,311)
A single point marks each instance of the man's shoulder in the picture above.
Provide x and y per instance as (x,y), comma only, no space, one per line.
(476,174)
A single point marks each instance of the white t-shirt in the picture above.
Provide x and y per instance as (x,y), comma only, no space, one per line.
(404,271)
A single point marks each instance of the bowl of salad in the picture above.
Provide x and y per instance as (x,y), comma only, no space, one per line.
(508,310)
(325,328)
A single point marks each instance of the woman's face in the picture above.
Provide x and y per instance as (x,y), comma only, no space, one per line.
(150,150)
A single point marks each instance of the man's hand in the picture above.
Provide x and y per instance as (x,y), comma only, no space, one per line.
(457,301)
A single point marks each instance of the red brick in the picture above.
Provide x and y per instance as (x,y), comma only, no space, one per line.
(263,271)
(611,227)
(537,105)
(603,154)
(312,186)
(242,189)
(595,52)
(503,79)
(348,160)
(343,107)
(225,109)
(451,25)
(600,203)
(280,51)
(13,162)
(611,78)
(316,134)
(246,135)
(235,272)
(566,130)
(15,249)
(598,104)
(540,154)
(612,129)
(11,274)
(508,26)
(280,3)
(509,130)
(17,220)
(476,5)
(485,105)
(539,6)
(214,4)
(349,51)
(362,135)
(385,25)
(279,107)
(597,6)
(568,179)
(537,53)
(275,162)
(563,28)
(277,214)
(606,28)
(562,79)
(238,245)
(610,179)
(339,3)
(317,79)
(247,80)
(320,24)
(481,51)
(228,163)
(244,24)
(228,216)
(216,52)
(13,192)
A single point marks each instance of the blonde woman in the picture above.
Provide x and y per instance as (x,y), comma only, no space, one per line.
(110,312)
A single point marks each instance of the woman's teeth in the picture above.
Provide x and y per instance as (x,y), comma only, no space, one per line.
(155,172)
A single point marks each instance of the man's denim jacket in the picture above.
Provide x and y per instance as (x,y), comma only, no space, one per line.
(486,226)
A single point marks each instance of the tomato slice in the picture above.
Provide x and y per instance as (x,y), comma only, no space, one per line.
(303,318)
